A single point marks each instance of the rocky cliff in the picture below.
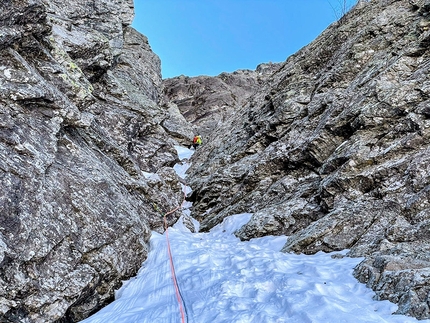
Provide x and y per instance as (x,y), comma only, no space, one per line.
(207,102)
(80,129)
(333,150)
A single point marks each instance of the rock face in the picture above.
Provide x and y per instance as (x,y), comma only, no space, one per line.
(333,150)
(80,128)
(206,102)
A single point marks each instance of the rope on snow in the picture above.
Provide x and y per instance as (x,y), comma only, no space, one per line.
(180,299)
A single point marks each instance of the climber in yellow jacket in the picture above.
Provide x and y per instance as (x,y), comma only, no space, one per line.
(197,141)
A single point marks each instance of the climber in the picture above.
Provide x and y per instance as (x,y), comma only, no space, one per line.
(197,141)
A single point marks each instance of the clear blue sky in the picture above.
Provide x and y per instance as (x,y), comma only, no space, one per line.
(208,37)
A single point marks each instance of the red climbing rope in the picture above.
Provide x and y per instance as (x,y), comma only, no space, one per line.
(172,267)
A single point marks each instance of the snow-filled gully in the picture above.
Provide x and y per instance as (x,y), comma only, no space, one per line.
(223,279)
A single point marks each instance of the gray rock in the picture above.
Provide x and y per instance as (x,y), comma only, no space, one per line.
(80,125)
(206,102)
(177,126)
(21,18)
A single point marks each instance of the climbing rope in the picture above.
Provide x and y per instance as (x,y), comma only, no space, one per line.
(179,297)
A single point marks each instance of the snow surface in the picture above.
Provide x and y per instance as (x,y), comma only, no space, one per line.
(184,153)
(223,279)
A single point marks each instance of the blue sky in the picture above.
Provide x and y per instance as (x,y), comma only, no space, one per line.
(208,37)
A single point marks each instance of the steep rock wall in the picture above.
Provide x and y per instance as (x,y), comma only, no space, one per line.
(334,151)
(206,102)
(79,127)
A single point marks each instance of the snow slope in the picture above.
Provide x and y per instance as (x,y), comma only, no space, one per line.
(223,279)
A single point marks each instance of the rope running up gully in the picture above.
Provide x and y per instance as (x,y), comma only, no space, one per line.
(172,267)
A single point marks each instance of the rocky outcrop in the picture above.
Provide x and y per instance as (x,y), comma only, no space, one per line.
(206,102)
(333,150)
(80,128)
